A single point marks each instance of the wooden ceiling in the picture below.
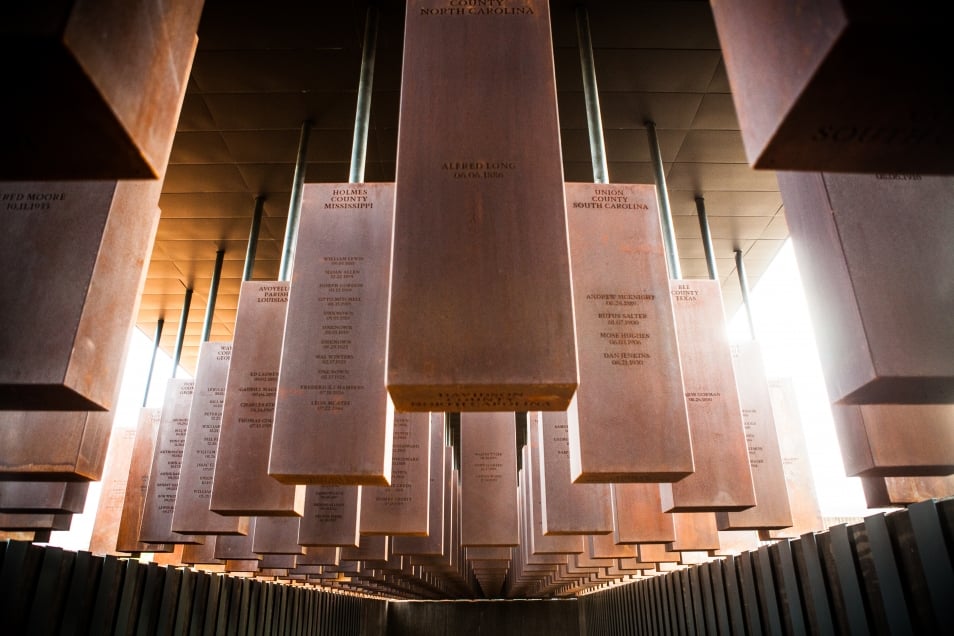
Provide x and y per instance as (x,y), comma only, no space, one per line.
(262,68)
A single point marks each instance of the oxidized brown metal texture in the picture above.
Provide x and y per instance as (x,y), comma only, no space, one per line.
(806,513)
(192,514)
(402,507)
(567,508)
(276,535)
(332,422)
(488,479)
(884,492)
(201,553)
(25,497)
(159,501)
(332,516)
(236,546)
(241,565)
(694,531)
(240,484)
(772,510)
(53,445)
(34,521)
(441,461)
(137,480)
(737,541)
(896,440)
(370,548)
(71,294)
(530,491)
(278,562)
(722,480)
(484,193)
(112,494)
(829,86)
(124,70)
(603,546)
(320,556)
(630,423)
(657,553)
(638,515)
(884,331)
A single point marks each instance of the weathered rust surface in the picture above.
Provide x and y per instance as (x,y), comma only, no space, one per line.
(332,418)
(531,491)
(134,491)
(694,531)
(484,193)
(370,548)
(638,515)
(77,254)
(241,485)
(191,514)
(737,541)
(604,546)
(160,498)
(123,74)
(332,516)
(241,565)
(201,553)
(806,513)
(838,87)
(402,507)
(567,508)
(630,422)
(237,547)
(488,478)
(850,233)
(53,445)
(109,511)
(320,556)
(441,463)
(773,510)
(896,440)
(722,480)
(25,497)
(884,492)
(657,553)
(10,522)
(276,535)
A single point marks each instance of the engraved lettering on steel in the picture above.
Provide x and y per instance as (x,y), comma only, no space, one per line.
(140,464)
(241,484)
(630,423)
(401,508)
(441,462)
(109,511)
(484,193)
(722,480)
(849,241)
(773,510)
(160,499)
(332,422)
(567,508)
(332,516)
(488,480)
(192,514)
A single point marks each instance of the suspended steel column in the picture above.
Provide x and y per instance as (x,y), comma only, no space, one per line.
(616,435)
(706,238)
(594,120)
(362,117)
(180,337)
(294,205)
(213,294)
(253,238)
(744,286)
(152,360)
(662,194)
